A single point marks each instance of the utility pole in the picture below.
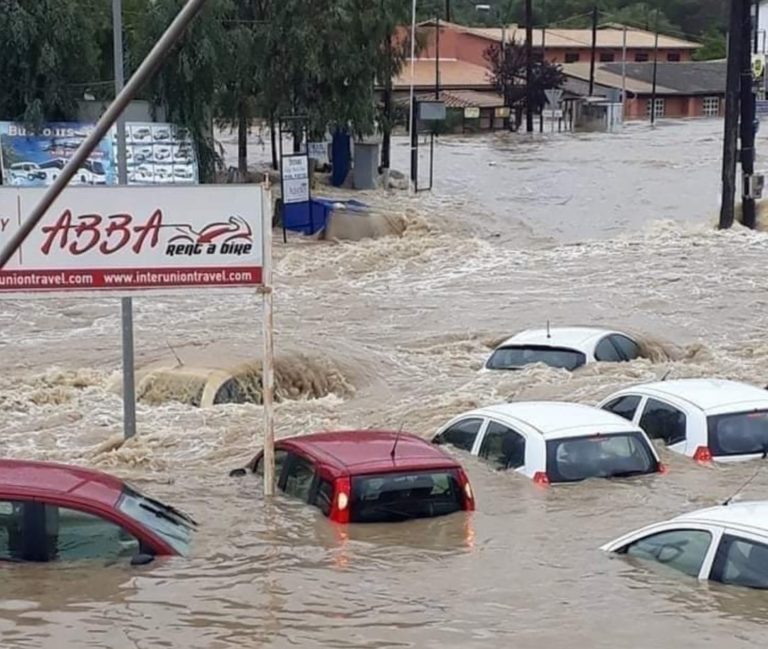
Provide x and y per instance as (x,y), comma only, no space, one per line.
(126,303)
(624,75)
(413,125)
(730,139)
(447,11)
(747,118)
(655,69)
(594,51)
(528,66)
(543,61)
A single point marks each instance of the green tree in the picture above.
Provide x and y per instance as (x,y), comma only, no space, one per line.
(49,56)
(508,71)
(237,97)
(188,83)
(713,46)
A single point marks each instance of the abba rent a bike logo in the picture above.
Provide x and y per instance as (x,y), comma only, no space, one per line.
(116,232)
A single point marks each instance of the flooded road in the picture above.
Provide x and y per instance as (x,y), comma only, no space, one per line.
(612,230)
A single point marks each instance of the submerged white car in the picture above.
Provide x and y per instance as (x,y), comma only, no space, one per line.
(551,441)
(563,347)
(706,419)
(728,544)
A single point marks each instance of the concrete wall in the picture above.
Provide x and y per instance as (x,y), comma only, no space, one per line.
(137,111)
(674,107)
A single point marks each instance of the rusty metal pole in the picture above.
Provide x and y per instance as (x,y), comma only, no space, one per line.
(145,71)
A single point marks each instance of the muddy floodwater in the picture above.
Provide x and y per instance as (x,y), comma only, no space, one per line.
(604,229)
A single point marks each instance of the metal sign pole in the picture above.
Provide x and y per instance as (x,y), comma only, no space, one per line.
(145,71)
(126,306)
(267,375)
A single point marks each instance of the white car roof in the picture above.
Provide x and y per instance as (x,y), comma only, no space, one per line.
(741,514)
(580,338)
(557,419)
(706,394)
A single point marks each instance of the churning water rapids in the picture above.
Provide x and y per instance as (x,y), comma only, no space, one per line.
(608,229)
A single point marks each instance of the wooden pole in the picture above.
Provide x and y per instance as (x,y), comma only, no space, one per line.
(655,69)
(267,368)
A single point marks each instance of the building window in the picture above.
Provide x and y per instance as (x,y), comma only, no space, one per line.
(607,57)
(660,108)
(711,107)
(572,57)
(641,57)
(673,57)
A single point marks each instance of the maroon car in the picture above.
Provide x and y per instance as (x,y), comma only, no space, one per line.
(53,511)
(369,476)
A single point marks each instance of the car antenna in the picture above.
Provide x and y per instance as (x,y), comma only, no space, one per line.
(728,500)
(173,351)
(394,446)
(666,374)
(549,335)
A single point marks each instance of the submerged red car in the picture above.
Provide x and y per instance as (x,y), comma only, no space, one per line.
(57,512)
(369,476)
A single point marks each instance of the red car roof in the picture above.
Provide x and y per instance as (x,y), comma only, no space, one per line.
(45,479)
(369,451)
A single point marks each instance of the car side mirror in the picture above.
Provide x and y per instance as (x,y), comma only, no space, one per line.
(142,559)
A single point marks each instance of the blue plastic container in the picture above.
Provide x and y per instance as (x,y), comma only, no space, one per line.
(309,218)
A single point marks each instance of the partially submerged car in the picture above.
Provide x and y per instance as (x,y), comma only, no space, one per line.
(369,476)
(57,512)
(550,441)
(728,544)
(706,419)
(563,347)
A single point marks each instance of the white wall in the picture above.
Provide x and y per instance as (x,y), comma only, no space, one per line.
(763,23)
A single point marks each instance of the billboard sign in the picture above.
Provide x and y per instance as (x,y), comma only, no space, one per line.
(295,178)
(135,240)
(157,153)
(35,159)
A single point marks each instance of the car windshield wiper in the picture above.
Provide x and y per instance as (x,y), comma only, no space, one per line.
(164,515)
(168,508)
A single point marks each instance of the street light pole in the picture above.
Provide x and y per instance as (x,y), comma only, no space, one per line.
(413,132)
(126,304)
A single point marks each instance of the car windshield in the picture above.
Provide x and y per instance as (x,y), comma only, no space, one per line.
(401,496)
(740,433)
(174,527)
(512,358)
(599,456)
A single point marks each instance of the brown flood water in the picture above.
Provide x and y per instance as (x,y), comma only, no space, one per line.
(393,332)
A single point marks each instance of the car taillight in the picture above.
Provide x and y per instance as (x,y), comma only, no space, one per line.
(703,454)
(467,496)
(663,468)
(541,477)
(342,489)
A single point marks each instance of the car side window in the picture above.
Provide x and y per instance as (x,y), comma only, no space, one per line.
(607,352)
(741,562)
(462,434)
(683,550)
(279,460)
(503,447)
(628,347)
(624,406)
(662,421)
(32,531)
(298,478)
(324,496)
